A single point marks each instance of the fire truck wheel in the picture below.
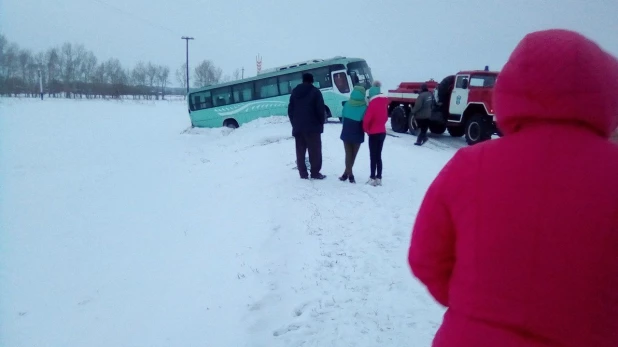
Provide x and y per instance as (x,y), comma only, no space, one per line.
(412,125)
(456,131)
(476,129)
(437,128)
(399,122)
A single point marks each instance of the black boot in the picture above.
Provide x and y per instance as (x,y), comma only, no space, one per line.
(343,178)
(352,180)
(318,176)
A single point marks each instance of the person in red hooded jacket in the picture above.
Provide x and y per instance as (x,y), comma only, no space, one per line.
(374,124)
(518,236)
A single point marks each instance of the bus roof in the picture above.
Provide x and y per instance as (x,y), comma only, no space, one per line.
(323,63)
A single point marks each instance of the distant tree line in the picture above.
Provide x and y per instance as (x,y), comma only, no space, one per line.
(71,71)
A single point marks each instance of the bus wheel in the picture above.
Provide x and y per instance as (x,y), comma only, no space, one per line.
(399,121)
(230,123)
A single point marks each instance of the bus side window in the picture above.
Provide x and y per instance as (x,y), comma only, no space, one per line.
(207,100)
(222,96)
(288,82)
(267,88)
(322,77)
(243,92)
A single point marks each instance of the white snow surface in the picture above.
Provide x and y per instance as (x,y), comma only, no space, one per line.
(121,226)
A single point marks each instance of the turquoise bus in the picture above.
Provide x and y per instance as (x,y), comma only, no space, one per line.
(267,94)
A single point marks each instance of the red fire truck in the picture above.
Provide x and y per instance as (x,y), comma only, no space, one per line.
(462,105)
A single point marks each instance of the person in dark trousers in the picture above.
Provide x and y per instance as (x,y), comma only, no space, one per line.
(352,133)
(422,113)
(374,125)
(306,112)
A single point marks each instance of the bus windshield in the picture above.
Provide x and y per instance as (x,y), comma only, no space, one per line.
(360,73)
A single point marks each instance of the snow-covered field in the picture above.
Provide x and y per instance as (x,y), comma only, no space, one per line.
(121,227)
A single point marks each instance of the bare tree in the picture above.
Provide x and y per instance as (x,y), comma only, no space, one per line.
(206,73)
(181,75)
(100,74)
(151,74)
(78,83)
(87,68)
(11,69)
(117,77)
(11,60)
(3,46)
(24,59)
(115,72)
(4,88)
(236,75)
(162,79)
(67,58)
(73,71)
(54,70)
(138,76)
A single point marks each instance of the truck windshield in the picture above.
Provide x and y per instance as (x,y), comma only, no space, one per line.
(482,81)
(360,73)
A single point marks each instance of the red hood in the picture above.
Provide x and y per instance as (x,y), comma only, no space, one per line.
(558,76)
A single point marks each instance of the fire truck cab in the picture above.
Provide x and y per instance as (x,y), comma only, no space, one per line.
(462,105)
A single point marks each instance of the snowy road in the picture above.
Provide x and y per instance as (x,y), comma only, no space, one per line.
(120,227)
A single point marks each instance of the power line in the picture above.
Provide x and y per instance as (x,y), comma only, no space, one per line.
(119,10)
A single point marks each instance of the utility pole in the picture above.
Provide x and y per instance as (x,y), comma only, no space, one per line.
(186,38)
(243,73)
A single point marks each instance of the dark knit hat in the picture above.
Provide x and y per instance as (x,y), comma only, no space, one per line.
(307,78)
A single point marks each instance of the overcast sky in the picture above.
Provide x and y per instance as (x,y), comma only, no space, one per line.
(400,39)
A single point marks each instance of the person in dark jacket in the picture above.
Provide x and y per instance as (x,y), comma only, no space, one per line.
(422,113)
(306,112)
(352,133)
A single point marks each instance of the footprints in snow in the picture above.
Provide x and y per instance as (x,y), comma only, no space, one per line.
(287,329)
(300,310)
(297,312)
